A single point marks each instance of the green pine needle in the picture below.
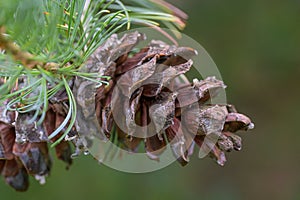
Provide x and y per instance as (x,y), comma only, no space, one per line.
(53,39)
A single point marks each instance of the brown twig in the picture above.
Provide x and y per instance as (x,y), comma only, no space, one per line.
(24,57)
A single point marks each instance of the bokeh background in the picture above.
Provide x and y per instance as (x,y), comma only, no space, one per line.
(256,45)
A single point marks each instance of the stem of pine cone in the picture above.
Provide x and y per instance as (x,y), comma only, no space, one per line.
(24,57)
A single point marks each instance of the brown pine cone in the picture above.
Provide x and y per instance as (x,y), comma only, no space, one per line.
(148,100)
(24,147)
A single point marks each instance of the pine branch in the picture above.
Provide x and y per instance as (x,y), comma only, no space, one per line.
(46,42)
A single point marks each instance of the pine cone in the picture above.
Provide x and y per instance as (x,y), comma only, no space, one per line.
(148,100)
(24,147)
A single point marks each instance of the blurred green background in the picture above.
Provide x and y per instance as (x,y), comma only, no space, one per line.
(256,45)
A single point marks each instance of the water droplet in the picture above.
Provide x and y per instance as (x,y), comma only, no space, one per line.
(86,152)
(41,179)
(238,148)
(251,126)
